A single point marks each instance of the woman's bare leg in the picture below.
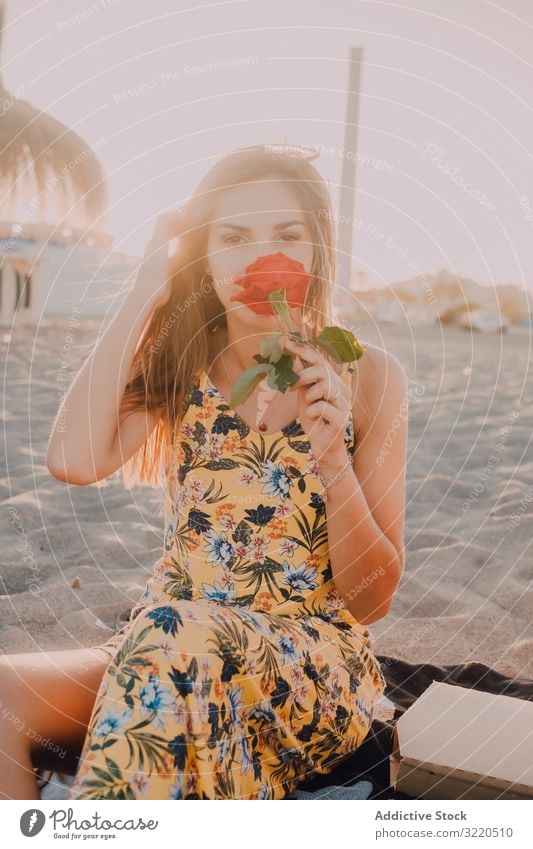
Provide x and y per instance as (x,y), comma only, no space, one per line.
(46,699)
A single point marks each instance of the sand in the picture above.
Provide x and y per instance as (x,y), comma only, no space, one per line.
(466,592)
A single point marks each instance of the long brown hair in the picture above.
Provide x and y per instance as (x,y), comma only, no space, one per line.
(181,337)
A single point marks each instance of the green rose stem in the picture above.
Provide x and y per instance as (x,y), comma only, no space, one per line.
(280,305)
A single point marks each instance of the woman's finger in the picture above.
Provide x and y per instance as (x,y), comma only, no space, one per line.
(160,232)
(318,371)
(329,391)
(306,352)
(177,221)
(168,225)
(326,411)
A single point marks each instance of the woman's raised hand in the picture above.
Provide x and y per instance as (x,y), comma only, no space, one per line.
(153,277)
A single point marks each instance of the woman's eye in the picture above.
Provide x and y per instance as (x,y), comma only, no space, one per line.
(290,237)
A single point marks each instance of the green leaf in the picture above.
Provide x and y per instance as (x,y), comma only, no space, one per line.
(259,358)
(244,600)
(247,381)
(101,773)
(270,347)
(218,465)
(303,446)
(340,344)
(281,374)
(193,669)
(242,533)
(113,767)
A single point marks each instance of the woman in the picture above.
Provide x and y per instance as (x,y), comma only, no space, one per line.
(247,663)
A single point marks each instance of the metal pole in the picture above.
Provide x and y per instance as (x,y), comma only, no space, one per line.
(348,169)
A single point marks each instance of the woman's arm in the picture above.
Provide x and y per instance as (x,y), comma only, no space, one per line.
(366,508)
(89,441)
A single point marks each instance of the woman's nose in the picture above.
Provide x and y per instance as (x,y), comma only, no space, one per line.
(268,247)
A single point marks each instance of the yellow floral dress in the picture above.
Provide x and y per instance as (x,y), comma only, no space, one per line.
(241,670)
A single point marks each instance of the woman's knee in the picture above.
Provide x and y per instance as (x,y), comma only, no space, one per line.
(13,710)
(47,698)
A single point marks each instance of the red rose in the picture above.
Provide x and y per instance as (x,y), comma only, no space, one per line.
(268,274)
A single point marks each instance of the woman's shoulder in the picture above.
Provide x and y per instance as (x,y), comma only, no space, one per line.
(376,359)
(378,376)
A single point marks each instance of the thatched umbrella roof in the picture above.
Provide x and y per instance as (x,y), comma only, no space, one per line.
(50,161)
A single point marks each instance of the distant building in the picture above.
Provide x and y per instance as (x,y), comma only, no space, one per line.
(47,273)
(441,297)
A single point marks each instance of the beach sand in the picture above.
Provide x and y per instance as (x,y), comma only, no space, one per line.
(466,592)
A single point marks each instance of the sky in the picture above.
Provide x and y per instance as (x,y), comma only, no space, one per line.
(444,173)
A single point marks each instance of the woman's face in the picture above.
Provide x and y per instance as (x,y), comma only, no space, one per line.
(250,221)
